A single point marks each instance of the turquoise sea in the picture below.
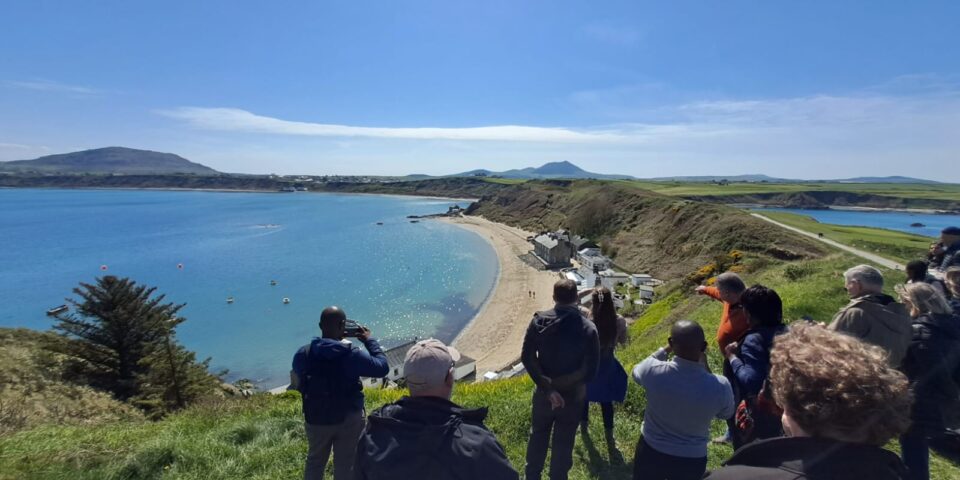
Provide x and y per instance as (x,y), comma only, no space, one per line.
(402,279)
(891,220)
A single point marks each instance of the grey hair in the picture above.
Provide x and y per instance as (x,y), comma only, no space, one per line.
(924,298)
(730,282)
(952,278)
(865,274)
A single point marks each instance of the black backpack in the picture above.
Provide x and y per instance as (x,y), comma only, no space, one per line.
(327,395)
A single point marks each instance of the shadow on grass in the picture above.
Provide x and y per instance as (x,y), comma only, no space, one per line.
(615,468)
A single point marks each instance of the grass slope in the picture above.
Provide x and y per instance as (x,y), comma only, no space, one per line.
(643,231)
(32,394)
(903,190)
(263,437)
(887,243)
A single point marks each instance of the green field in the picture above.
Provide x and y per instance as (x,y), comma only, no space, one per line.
(263,437)
(891,244)
(688,189)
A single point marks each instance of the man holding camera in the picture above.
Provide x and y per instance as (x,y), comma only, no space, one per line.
(327,373)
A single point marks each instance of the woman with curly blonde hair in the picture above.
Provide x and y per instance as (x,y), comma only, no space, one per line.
(841,403)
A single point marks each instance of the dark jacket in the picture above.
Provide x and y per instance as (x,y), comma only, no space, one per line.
(429,437)
(806,458)
(951,257)
(561,349)
(327,374)
(752,364)
(878,320)
(933,366)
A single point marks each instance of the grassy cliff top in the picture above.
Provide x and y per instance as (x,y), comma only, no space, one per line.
(263,437)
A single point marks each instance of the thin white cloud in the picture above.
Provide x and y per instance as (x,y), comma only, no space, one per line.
(816,136)
(18,146)
(51,86)
(233,119)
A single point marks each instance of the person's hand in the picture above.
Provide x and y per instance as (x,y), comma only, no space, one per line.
(700,289)
(730,350)
(364,334)
(556,400)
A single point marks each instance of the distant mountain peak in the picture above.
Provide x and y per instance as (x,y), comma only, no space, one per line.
(561,169)
(110,160)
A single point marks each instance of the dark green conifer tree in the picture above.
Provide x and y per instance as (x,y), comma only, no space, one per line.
(122,339)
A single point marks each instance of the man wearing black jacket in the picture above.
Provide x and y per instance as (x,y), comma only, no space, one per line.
(560,352)
(426,435)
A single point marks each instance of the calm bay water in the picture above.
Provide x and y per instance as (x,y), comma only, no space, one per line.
(402,279)
(890,220)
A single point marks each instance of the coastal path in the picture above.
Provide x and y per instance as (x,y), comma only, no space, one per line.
(884,262)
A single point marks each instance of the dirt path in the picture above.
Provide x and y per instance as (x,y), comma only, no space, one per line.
(884,262)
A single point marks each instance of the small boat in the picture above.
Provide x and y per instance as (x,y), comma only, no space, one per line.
(273,283)
(286,300)
(379,223)
(229,299)
(414,221)
(55,310)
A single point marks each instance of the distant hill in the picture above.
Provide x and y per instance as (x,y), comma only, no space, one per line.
(768,179)
(717,178)
(895,179)
(546,171)
(110,160)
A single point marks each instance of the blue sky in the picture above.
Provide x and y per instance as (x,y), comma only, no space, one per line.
(814,89)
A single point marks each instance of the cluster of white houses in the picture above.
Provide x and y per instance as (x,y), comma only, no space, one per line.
(558,250)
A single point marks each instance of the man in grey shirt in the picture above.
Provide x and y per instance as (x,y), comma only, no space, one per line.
(683,397)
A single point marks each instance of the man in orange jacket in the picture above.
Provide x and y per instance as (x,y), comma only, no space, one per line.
(733,321)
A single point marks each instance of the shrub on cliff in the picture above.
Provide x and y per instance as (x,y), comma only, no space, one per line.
(122,339)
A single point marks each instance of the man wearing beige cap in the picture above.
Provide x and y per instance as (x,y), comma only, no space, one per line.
(426,435)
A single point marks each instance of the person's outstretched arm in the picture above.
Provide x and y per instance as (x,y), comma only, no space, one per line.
(712,292)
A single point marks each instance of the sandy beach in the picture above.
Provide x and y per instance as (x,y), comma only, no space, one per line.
(495,335)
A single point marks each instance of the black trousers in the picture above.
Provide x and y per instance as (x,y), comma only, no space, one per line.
(649,464)
(556,430)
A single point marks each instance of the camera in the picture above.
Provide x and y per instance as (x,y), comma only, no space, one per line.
(352,329)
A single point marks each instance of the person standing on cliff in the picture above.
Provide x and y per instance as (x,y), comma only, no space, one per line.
(873,316)
(683,398)
(327,373)
(561,351)
(426,435)
(727,289)
(950,239)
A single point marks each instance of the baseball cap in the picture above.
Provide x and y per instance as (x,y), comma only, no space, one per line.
(427,363)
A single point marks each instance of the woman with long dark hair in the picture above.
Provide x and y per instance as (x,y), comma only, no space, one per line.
(610,384)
